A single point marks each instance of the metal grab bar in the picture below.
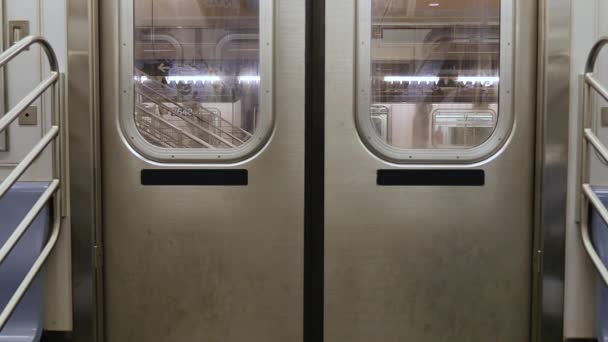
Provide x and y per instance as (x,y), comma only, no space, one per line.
(11,242)
(55,136)
(27,161)
(597,144)
(587,243)
(590,139)
(597,86)
(14,113)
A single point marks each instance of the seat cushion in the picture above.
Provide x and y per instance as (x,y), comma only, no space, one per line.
(26,323)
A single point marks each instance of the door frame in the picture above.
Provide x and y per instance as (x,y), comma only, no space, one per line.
(551,171)
(553,113)
(84,169)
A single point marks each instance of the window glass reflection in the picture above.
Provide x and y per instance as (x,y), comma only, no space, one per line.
(196,72)
(435,71)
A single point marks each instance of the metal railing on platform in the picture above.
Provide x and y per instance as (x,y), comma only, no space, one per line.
(210,120)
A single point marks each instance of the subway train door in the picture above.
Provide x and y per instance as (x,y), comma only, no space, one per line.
(430,122)
(203,169)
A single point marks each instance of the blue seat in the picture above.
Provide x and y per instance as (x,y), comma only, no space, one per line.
(600,240)
(26,323)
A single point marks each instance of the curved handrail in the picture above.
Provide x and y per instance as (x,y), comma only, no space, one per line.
(590,139)
(56,137)
(594,54)
(590,67)
(22,45)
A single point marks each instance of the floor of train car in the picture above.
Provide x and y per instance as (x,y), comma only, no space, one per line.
(52,336)
(63,337)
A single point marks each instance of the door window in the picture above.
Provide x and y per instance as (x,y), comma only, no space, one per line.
(202,74)
(430,78)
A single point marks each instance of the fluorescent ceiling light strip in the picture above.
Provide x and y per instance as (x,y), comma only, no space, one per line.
(479,79)
(435,79)
(251,78)
(194,79)
(141,78)
(419,79)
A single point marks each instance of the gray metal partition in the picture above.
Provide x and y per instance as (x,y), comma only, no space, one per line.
(83,112)
(551,168)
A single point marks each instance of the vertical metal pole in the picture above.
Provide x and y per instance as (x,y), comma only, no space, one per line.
(63,146)
(56,144)
(583,167)
(552,166)
(3,89)
(583,163)
(82,89)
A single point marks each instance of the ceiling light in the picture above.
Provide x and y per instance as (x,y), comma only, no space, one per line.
(479,79)
(248,79)
(194,79)
(418,79)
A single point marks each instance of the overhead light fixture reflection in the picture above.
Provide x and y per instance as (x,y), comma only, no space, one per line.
(479,79)
(434,4)
(435,79)
(194,79)
(412,79)
(203,79)
(249,79)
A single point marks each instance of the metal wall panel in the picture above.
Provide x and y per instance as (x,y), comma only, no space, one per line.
(85,177)
(426,263)
(22,74)
(552,165)
(58,305)
(208,263)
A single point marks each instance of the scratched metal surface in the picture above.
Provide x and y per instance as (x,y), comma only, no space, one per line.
(215,264)
(426,263)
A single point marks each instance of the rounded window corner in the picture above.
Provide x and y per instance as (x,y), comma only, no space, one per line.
(153,155)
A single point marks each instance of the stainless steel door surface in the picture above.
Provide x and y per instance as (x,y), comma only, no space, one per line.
(206,263)
(426,263)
